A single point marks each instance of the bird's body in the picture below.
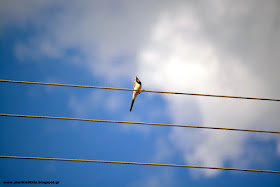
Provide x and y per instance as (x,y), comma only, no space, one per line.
(136,88)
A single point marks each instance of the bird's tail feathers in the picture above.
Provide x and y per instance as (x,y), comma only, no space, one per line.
(132,102)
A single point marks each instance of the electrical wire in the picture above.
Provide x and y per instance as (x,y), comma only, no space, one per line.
(137,123)
(125,89)
(139,163)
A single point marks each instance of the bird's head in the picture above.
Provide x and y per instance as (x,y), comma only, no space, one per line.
(137,80)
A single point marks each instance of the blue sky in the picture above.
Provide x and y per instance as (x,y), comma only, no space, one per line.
(213,47)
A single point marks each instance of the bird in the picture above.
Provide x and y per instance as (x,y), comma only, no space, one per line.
(136,88)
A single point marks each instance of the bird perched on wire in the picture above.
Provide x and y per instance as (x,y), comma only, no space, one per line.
(136,88)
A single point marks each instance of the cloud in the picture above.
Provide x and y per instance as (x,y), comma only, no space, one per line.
(15,12)
(108,34)
(195,49)
(215,47)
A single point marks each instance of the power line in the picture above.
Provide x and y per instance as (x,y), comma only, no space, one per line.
(138,163)
(125,89)
(137,123)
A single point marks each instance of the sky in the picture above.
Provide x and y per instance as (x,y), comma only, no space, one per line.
(212,47)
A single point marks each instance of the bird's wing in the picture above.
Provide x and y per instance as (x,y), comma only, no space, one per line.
(134,85)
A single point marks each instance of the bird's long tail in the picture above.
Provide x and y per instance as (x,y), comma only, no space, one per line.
(132,102)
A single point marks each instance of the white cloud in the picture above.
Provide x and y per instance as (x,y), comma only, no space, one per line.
(215,47)
(107,33)
(164,151)
(181,56)
(16,12)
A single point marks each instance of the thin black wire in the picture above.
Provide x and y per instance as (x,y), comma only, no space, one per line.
(125,89)
(139,163)
(138,123)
